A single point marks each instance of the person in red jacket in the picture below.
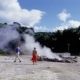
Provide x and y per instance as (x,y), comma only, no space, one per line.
(34,56)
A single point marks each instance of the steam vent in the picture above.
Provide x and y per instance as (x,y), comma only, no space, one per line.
(12,35)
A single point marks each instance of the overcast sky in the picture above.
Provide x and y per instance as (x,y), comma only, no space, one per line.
(43,15)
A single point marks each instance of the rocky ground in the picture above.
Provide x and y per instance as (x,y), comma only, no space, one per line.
(41,71)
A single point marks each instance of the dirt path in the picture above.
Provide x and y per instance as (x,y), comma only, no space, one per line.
(40,71)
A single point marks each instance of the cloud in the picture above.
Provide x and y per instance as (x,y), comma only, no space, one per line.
(64,15)
(74,23)
(61,27)
(11,11)
(68,24)
(42,29)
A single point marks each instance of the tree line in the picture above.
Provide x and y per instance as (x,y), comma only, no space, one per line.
(67,40)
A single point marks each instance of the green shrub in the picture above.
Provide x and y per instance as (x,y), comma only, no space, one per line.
(2,52)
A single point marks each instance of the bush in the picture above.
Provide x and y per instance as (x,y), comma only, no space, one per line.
(2,52)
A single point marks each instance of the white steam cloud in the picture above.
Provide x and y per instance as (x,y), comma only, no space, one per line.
(7,34)
(30,44)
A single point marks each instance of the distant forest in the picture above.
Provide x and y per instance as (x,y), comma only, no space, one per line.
(60,41)
(67,40)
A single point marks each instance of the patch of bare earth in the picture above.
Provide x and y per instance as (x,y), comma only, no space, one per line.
(41,71)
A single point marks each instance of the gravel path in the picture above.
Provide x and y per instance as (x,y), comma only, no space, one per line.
(41,71)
